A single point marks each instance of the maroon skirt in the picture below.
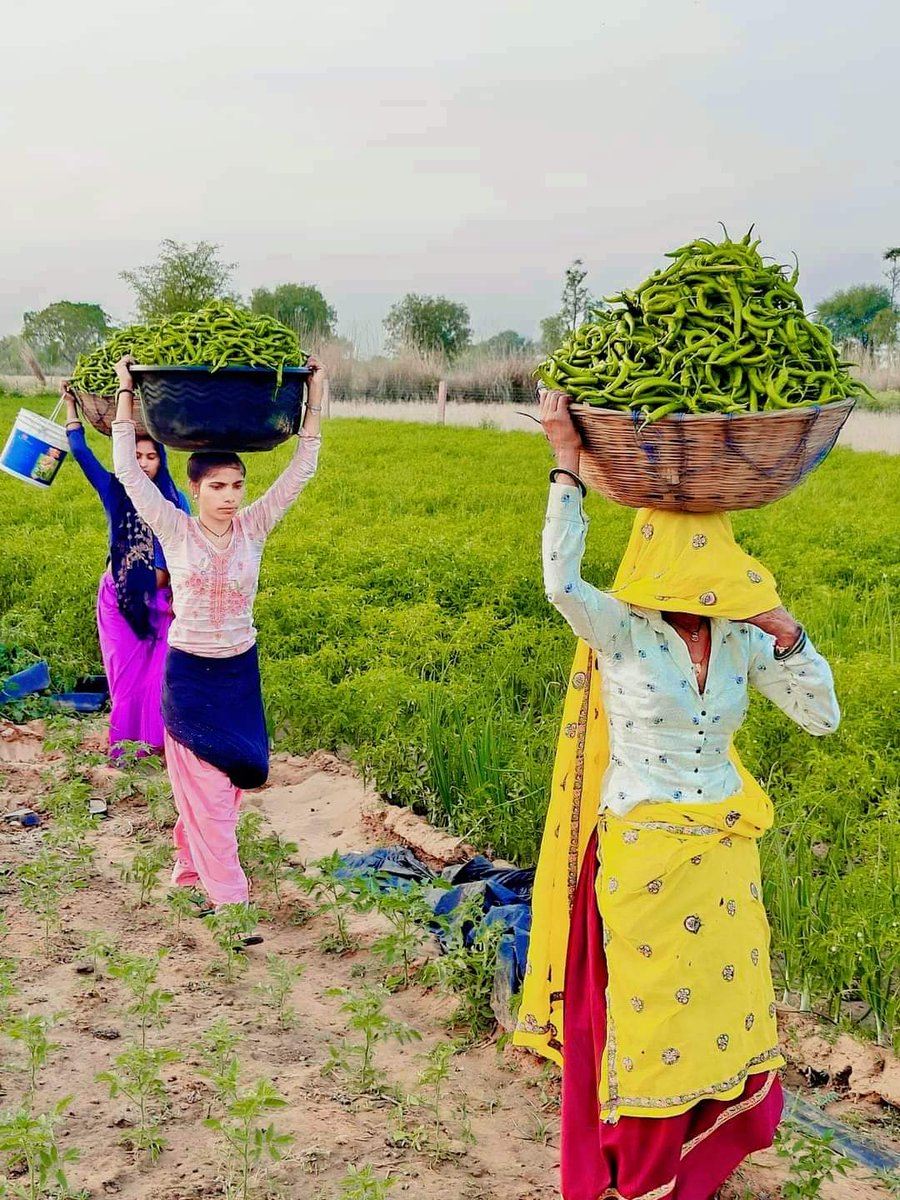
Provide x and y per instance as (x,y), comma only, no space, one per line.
(685,1157)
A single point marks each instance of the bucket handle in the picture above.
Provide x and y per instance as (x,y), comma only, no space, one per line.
(59,404)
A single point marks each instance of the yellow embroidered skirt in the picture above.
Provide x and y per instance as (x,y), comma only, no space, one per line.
(690,1002)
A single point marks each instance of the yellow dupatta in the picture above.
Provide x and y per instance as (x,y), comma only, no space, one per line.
(664,1050)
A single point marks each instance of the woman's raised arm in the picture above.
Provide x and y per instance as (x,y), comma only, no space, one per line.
(261,517)
(593,615)
(164,518)
(93,469)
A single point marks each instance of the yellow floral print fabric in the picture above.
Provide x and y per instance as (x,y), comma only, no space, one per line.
(690,1004)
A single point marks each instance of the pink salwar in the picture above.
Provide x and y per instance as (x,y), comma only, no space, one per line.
(205,839)
(134,668)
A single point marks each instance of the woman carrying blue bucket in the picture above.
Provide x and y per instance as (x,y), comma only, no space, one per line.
(134,600)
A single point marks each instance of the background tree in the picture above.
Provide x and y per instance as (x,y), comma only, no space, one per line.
(892,271)
(577,306)
(11,361)
(61,331)
(182,279)
(849,314)
(553,333)
(503,345)
(299,305)
(428,324)
(883,327)
(576,298)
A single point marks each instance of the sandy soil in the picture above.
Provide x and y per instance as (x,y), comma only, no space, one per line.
(510,1100)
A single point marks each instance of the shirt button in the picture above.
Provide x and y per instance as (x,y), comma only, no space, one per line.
(699,791)
(703,714)
(699,750)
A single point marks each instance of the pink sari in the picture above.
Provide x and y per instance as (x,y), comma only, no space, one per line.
(687,1157)
(134,668)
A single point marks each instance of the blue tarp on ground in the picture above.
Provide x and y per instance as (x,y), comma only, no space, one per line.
(504,892)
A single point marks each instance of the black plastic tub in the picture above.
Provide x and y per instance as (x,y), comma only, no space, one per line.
(233,408)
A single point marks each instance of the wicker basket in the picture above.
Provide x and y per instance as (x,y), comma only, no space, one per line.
(101,412)
(712,463)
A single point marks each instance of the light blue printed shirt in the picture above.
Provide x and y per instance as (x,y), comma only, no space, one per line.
(668,740)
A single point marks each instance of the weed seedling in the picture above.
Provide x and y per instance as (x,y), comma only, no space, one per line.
(32,1032)
(540,1130)
(276,990)
(138,1077)
(69,801)
(181,908)
(65,736)
(272,861)
(148,1003)
(250,1144)
(220,1065)
(429,1096)
(97,946)
(432,1082)
(144,869)
(355,1060)
(469,971)
(231,925)
(30,1139)
(361,1183)
(8,968)
(265,857)
(814,1161)
(142,774)
(408,912)
(42,884)
(335,896)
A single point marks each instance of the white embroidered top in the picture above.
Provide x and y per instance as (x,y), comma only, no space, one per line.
(213,590)
(668,740)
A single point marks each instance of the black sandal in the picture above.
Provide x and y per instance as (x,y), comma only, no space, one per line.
(252,939)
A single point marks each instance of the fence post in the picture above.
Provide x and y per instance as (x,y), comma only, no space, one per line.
(326,398)
(442,402)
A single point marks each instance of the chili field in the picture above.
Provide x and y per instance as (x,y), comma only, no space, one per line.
(402,621)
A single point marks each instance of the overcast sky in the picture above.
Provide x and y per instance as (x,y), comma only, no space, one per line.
(471,147)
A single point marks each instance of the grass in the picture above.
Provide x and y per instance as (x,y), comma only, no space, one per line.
(884,402)
(402,615)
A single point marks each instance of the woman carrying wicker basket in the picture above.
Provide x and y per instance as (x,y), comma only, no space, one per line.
(134,600)
(649,977)
(215,731)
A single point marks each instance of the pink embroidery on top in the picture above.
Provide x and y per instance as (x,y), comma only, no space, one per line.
(226,599)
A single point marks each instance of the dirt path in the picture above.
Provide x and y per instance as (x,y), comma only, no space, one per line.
(500,1108)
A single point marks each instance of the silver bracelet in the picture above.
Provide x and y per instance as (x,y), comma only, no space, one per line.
(309,408)
(799,643)
(572,475)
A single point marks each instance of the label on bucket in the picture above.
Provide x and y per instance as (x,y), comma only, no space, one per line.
(31,457)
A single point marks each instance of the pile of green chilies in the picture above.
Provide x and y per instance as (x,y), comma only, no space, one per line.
(219,334)
(719,330)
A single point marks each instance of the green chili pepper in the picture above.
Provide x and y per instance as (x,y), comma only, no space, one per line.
(718,329)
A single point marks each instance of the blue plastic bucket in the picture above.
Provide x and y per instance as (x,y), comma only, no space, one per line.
(35,678)
(35,449)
